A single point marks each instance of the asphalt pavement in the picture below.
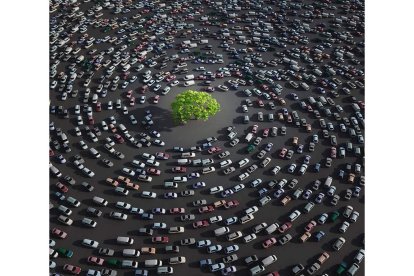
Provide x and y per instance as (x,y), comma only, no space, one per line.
(191,134)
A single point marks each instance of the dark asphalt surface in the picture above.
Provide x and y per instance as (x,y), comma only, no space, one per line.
(189,135)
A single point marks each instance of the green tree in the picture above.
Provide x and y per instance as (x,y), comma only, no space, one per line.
(196,105)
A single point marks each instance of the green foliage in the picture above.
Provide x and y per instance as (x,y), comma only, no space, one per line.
(194,105)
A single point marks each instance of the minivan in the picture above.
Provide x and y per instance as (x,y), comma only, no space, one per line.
(152,263)
(352,270)
(124,240)
(165,270)
(188,83)
(328,182)
(183,161)
(271,117)
(221,231)
(130,253)
(269,260)
(249,137)
(189,77)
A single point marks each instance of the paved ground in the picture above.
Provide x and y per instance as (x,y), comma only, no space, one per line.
(191,134)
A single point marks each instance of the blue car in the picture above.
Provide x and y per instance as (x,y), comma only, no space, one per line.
(231,220)
(356,192)
(205,262)
(147,216)
(141,272)
(263,192)
(341,174)
(206,145)
(278,193)
(319,235)
(317,167)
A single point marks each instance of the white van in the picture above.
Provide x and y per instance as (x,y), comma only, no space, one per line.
(269,260)
(124,240)
(188,154)
(183,161)
(221,231)
(130,253)
(328,182)
(249,137)
(189,77)
(126,68)
(188,83)
(152,263)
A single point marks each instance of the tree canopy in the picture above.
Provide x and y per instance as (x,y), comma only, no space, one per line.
(196,105)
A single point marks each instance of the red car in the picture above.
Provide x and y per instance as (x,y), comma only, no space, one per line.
(62,187)
(119,139)
(260,103)
(91,121)
(76,270)
(200,224)
(310,226)
(284,227)
(254,128)
(129,94)
(265,87)
(214,150)
(143,89)
(283,152)
(112,128)
(206,209)
(132,101)
(95,260)
(179,169)
(59,233)
(51,152)
(231,204)
(153,171)
(333,152)
(156,99)
(162,155)
(269,242)
(98,107)
(265,132)
(174,211)
(170,78)
(273,95)
(160,239)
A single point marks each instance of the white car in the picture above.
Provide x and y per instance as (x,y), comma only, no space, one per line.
(90,243)
(225,163)
(249,238)
(294,215)
(243,176)
(215,190)
(147,194)
(243,162)
(118,215)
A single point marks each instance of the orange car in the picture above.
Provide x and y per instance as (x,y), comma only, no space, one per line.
(148,250)
(286,200)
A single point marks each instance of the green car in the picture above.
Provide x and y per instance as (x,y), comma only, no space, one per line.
(250,148)
(334,216)
(341,268)
(114,262)
(65,252)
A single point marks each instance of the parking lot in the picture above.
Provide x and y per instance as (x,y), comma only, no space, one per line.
(310,37)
